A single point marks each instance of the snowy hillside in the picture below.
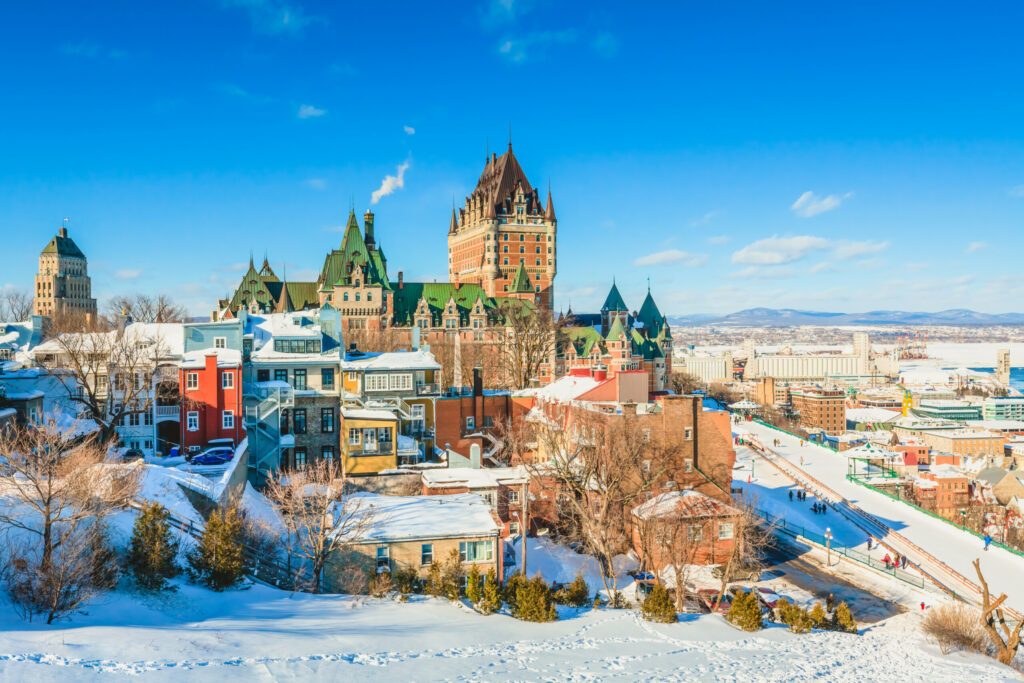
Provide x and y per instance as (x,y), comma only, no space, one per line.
(264,634)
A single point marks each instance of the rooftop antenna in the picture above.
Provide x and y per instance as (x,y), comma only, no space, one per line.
(510,135)
(648,284)
(66,221)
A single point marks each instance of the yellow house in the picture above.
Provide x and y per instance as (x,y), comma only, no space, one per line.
(368,440)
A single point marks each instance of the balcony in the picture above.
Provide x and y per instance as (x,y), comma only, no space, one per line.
(428,389)
(168,412)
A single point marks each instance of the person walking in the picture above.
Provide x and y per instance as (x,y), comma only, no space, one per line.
(887,560)
(904,562)
(869,543)
(988,541)
(791,495)
(922,605)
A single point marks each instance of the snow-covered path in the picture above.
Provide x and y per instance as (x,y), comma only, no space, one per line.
(267,635)
(950,545)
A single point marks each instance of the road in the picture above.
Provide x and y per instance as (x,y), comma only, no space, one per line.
(941,549)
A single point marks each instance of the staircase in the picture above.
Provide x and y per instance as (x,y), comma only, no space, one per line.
(263,406)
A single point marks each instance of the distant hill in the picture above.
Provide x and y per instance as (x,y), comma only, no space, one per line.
(784,317)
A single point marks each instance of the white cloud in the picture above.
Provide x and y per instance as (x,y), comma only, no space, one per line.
(317,183)
(1017,191)
(705,219)
(409,130)
(274,17)
(128,274)
(661,258)
(916,266)
(719,239)
(498,12)
(849,249)
(391,183)
(776,250)
(532,45)
(809,204)
(761,273)
(672,256)
(308,111)
(976,246)
(821,267)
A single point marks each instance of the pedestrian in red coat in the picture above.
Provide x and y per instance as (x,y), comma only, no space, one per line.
(887,560)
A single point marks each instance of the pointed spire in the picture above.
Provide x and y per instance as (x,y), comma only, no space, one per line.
(453,227)
(284,302)
(549,214)
(251,266)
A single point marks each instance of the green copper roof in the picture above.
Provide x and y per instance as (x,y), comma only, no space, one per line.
(584,339)
(339,264)
(614,301)
(617,331)
(650,316)
(521,281)
(63,245)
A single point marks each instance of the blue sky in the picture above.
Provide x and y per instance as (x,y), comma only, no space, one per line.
(846,157)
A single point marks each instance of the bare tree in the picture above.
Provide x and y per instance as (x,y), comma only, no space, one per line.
(146,309)
(684,382)
(386,339)
(677,540)
(15,305)
(108,372)
(57,554)
(528,344)
(1007,641)
(751,539)
(321,519)
(602,469)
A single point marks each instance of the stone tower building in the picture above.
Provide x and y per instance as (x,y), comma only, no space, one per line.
(503,227)
(62,283)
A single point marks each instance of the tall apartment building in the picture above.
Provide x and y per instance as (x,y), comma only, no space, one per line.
(820,407)
(503,227)
(62,283)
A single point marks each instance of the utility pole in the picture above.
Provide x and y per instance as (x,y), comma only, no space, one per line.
(524,518)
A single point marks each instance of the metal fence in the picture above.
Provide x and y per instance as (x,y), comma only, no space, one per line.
(797,531)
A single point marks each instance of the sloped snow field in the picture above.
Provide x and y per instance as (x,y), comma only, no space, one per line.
(263,634)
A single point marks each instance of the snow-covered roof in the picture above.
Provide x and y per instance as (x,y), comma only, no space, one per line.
(367,414)
(685,504)
(483,478)
(567,388)
(871,415)
(997,425)
(872,450)
(226,358)
(394,360)
(170,338)
(406,518)
(745,404)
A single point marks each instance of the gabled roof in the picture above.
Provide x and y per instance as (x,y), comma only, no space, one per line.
(354,252)
(614,301)
(301,294)
(584,339)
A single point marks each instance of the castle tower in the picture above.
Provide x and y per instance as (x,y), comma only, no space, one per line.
(502,226)
(62,283)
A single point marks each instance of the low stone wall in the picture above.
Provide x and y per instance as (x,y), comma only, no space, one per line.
(404,484)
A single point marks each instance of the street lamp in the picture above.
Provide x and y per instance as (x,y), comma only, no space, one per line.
(828,545)
(963,519)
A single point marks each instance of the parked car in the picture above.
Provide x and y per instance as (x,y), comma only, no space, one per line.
(769,598)
(707,597)
(644,583)
(213,456)
(133,454)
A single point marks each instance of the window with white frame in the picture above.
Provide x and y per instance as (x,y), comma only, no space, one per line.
(513,496)
(192,421)
(227,380)
(688,433)
(470,423)
(400,382)
(426,554)
(227,419)
(513,528)
(192,380)
(476,551)
(725,531)
(220,342)
(375,382)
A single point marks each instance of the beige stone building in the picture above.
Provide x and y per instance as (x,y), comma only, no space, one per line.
(62,283)
(393,533)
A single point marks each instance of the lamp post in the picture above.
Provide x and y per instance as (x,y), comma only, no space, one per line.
(828,545)
(963,519)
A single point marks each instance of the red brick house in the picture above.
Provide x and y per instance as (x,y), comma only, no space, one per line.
(683,526)
(211,397)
